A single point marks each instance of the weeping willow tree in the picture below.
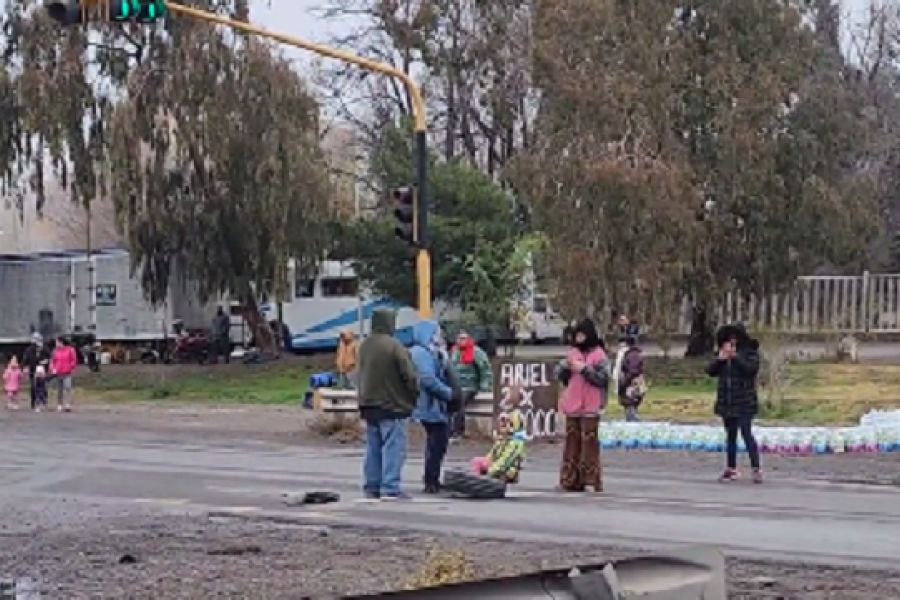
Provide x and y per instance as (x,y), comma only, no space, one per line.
(206,142)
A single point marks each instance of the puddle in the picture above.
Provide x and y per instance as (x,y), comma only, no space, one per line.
(24,588)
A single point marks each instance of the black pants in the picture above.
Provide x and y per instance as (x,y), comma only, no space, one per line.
(458,418)
(745,426)
(435,450)
(32,390)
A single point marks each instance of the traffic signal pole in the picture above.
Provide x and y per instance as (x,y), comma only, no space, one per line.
(423,258)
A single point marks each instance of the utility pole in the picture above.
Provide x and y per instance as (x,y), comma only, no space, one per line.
(74,12)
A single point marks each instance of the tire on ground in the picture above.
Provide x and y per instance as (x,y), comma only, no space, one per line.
(472,486)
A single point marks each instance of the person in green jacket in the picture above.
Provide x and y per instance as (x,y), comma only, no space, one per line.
(473,367)
(388,388)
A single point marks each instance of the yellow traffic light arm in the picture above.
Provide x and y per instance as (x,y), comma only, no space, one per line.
(419,114)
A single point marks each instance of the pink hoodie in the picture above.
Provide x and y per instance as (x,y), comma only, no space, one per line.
(64,361)
(581,399)
(12,380)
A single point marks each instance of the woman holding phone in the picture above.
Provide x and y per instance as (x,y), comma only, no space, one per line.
(736,365)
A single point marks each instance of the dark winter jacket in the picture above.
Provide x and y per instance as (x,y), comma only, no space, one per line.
(736,395)
(632,368)
(388,386)
(34,355)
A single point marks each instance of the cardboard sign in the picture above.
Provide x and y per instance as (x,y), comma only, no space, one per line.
(538,394)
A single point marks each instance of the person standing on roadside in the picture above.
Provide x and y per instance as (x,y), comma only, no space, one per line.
(62,367)
(626,329)
(475,376)
(35,354)
(346,359)
(222,335)
(12,383)
(435,394)
(387,395)
(632,386)
(736,366)
(585,374)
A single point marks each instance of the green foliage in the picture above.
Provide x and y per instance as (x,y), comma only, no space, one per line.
(221,174)
(721,146)
(279,382)
(475,241)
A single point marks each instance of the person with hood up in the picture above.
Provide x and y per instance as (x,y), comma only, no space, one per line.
(387,396)
(585,374)
(474,369)
(435,393)
(736,365)
(346,359)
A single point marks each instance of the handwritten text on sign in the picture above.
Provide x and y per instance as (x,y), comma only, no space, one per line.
(537,397)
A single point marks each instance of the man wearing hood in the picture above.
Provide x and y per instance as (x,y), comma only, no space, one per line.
(435,393)
(736,366)
(387,396)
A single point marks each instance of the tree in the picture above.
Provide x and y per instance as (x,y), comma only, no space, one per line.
(476,239)
(472,57)
(715,152)
(220,175)
(206,142)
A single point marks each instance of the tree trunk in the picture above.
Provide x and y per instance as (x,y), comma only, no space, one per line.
(702,339)
(262,332)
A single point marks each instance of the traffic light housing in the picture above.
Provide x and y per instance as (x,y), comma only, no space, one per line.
(75,12)
(65,12)
(405,215)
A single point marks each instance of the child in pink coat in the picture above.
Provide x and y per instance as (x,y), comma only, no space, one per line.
(12,383)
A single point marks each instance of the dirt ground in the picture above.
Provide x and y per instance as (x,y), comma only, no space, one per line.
(77,550)
(144,556)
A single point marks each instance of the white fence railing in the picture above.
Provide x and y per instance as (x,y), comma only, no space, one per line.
(868,303)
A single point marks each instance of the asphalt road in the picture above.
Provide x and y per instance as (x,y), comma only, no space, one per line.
(52,459)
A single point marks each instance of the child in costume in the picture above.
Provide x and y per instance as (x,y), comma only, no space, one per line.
(504,461)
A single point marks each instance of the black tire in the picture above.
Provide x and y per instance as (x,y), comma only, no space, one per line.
(472,486)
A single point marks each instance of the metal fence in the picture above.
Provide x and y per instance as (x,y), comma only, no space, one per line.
(867,303)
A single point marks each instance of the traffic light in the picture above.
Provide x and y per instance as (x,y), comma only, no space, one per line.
(74,12)
(67,12)
(405,214)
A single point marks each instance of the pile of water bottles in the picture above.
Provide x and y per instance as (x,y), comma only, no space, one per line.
(878,431)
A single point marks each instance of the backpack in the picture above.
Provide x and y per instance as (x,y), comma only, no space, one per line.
(456,398)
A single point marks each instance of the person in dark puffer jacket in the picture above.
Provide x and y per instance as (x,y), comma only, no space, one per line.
(736,366)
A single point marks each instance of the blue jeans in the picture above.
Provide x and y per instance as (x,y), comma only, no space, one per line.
(385,455)
(435,451)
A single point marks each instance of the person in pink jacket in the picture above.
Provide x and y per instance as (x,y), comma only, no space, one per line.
(62,366)
(12,383)
(585,375)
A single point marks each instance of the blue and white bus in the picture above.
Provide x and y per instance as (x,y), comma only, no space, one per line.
(320,307)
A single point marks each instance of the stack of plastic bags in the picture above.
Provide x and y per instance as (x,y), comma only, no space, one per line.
(878,431)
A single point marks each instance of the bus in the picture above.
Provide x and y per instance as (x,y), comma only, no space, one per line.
(319,308)
(333,300)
